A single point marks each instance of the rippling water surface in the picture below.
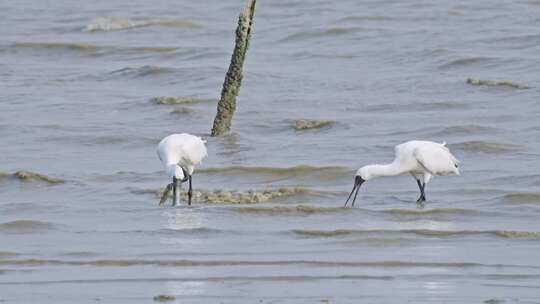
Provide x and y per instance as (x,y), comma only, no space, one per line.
(89,89)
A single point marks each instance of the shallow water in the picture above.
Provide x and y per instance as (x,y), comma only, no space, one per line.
(84,104)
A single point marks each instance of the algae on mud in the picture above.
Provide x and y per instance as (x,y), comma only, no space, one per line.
(249,197)
(308,124)
(164,298)
(232,197)
(31,176)
(496,83)
(181,111)
(172,100)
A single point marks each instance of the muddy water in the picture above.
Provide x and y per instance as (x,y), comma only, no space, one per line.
(89,89)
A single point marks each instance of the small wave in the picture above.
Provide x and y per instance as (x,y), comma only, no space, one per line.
(147,49)
(90,49)
(92,140)
(295,210)
(169,100)
(200,231)
(181,111)
(305,173)
(235,197)
(169,279)
(327,33)
(143,71)
(8,254)
(486,147)
(415,107)
(197,231)
(25,226)
(462,62)
(440,211)
(296,170)
(115,24)
(80,254)
(465,130)
(28,176)
(304,54)
(213,263)
(367,18)
(522,197)
(418,232)
(496,83)
(308,124)
(57,45)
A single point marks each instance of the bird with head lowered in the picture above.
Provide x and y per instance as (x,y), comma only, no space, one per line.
(179,153)
(421,159)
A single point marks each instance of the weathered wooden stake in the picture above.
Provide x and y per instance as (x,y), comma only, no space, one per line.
(233,78)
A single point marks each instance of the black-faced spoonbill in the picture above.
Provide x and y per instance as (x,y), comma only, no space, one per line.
(421,159)
(179,153)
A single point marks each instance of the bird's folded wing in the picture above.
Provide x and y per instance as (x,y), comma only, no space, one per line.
(437,160)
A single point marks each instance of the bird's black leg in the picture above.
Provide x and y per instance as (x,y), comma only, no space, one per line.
(190,192)
(175,191)
(421,186)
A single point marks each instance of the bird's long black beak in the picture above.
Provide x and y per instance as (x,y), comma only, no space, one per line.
(358,180)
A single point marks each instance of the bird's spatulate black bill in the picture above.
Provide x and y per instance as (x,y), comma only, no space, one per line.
(357,183)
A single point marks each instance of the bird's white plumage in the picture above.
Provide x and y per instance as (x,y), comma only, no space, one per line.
(178,151)
(422,159)
(436,159)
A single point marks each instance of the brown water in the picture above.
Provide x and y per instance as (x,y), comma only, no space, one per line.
(89,89)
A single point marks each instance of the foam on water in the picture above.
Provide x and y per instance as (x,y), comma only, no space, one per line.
(116,23)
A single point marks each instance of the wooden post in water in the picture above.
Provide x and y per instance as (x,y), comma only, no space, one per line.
(233,78)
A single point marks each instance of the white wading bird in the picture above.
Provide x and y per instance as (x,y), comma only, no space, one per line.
(421,159)
(179,153)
